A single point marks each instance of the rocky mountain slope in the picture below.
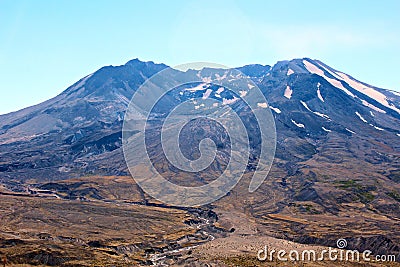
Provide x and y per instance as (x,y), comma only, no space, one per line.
(336,169)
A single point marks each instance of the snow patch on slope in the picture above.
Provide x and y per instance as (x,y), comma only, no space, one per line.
(288,92)
(207,94)
(277,110)
(300,125)
(199,87)
(220,90)
(198,106)
(243,93)
(305,105)
(315,112)
(314,69)
(361,117)
(364,89)
(365,103)
(321,115)
(229,101)
(289,72)
(369,91)
(262,105)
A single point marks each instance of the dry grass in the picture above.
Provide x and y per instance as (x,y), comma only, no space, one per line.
(75,233)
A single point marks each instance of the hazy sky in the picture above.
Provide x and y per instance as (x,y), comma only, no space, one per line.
(45,46)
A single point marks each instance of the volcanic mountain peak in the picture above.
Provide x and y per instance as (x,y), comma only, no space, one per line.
(308,99)
(336,164)
(379,100)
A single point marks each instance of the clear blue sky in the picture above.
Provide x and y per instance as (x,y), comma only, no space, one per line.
(45,46)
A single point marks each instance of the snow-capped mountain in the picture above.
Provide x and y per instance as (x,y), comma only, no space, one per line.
(329,98)
(75,131)
(338,142)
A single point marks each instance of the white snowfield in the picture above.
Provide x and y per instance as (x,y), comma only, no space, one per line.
(288,92)
(350,131)
(314,69)
(262,105)
(198,106)
(305,105)
(300,125)
(243,93)
(365,103)
(366,90)
(321,115)
(277,110)
(326,130)
(207,94)
(378,128)
(289,72)
(361,117)
(362,88)
(199,87)
(220,90)
(315,112)
(229,101)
